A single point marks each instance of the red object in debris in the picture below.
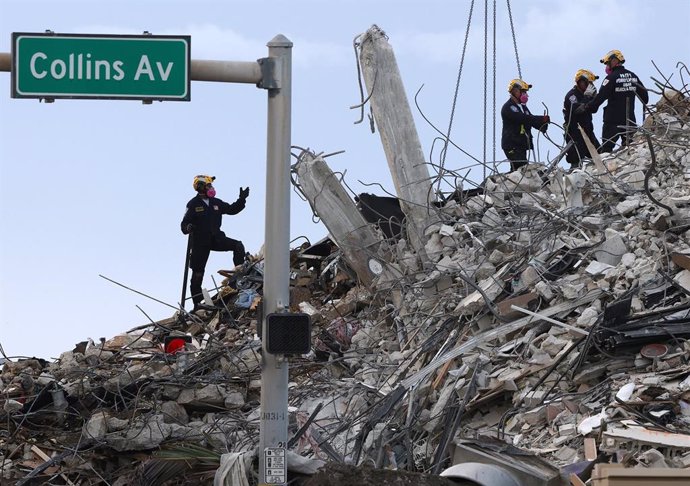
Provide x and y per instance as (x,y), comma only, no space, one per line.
(652,351)
(174,345)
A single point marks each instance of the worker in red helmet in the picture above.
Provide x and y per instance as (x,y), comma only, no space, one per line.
(620,88)
(516,138)
(583,92)
(203,219)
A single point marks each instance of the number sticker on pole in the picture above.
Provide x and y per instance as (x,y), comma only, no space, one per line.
(275,465)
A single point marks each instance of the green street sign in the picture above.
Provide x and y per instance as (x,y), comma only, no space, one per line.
(139,67)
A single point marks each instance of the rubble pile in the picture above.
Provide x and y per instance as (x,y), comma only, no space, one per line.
(545,323)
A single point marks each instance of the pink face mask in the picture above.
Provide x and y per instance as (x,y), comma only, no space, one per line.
(608,70)
(523,98)
(211,192)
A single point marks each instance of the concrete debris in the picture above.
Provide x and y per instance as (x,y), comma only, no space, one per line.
(543,318)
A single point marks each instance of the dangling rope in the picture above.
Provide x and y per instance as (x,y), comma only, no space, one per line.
(455,98)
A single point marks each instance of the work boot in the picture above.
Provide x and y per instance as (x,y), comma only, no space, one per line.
(202,306)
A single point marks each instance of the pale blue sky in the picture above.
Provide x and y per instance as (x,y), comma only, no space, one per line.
(99,187)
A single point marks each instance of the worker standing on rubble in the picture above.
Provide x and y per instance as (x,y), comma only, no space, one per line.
(516,139)
(203,219)
(583,92)
(620,87)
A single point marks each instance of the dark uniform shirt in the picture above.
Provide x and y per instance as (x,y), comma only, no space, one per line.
(517,126)
(207,218)
(620,89)
(573,99)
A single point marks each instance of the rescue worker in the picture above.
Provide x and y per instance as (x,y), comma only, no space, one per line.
(516,138)
(620,87)
(583,92)
(203,219)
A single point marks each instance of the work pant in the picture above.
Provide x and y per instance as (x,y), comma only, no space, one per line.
(578,149)
(199,257)
(611,132)
(517,157)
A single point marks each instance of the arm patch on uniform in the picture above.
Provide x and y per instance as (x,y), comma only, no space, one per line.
(606,81)
(199,209)
(573,99)
(514,108)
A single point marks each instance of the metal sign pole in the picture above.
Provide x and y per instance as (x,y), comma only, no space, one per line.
(274,368)
(274,74)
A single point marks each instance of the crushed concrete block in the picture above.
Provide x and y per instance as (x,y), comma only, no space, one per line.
(598,268)
(475,301)
(612,249)
(174,413)
(682,278)
(96,427)
(627,207)
(570,291)
(446,230)
(628,260)
(566,454)
(553,345)
(588,317)
(593,222)
(434,247)
(544,290)
(496,257)
(529,276)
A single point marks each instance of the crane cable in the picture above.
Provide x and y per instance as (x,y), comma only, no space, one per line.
(455,99)
(457,83)
(486,50)
(512,31)
(494,93)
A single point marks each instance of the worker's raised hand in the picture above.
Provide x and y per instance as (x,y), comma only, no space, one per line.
(244,193)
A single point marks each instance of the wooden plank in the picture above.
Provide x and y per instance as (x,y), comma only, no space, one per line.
(521,300)
(46,457)
(575,480)
(398,134)
(591,451)
(356,238)
(681,260)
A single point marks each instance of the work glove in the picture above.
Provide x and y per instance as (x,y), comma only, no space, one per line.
(189,228)
(591,91)
(244,193)
(545,123)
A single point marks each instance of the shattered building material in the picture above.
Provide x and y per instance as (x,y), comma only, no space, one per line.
(398,133)
(327,197)
(546,339)
(615,475)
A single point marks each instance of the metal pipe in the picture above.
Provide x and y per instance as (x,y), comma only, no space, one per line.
(219,71)
(225,71)
(274,369)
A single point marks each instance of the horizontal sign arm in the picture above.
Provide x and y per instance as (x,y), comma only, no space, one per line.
(220,71)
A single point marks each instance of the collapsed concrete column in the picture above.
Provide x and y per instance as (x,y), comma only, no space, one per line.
(398,133)
(357,239)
